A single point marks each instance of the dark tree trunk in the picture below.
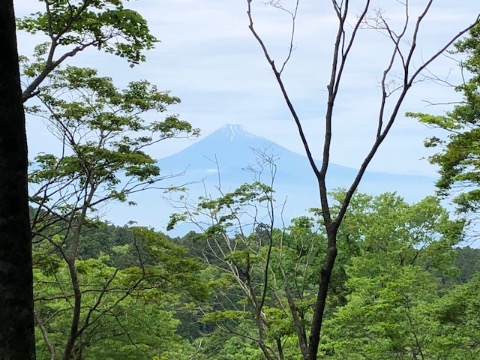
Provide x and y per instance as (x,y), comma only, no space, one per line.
(16,288)
(321,302)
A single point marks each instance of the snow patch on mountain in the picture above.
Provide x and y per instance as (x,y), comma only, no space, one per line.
(234,131)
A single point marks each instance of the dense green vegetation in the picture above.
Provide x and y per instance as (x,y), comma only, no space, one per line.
(403,287)
(459,152)
(378,277)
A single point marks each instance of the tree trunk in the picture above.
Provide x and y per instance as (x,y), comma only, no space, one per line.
(321,302)
(73,335)
(16,285)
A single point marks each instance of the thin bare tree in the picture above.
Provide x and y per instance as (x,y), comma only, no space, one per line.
(401,72)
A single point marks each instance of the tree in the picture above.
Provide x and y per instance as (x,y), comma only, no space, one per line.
(128,310)
(459,153)
(235,242)
(394,259)
(74,26)
(16,295)
(401,72)
(468,262)
(405,251)
(455,325)
(103,136)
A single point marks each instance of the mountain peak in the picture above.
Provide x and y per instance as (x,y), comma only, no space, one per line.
(232,131)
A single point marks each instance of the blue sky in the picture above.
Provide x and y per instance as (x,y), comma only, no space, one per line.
(208,58)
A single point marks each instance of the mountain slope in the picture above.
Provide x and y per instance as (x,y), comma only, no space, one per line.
(223,156)
(231,149)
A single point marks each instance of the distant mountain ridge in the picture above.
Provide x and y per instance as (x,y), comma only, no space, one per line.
(231,149)
(225,155)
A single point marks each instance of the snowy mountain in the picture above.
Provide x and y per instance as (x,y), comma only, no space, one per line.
(231,149)
(228,153)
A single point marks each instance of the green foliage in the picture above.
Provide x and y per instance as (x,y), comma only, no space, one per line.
(467,261)
(394,258)
(101,292)
(387,300)
(393,280)
(103,129)
(241,251)
(138,326)
(458,158)
(456,325)
(128,311)
(103,24)
(104,137)
(227,210)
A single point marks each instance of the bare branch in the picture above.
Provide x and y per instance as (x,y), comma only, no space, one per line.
(394,89)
